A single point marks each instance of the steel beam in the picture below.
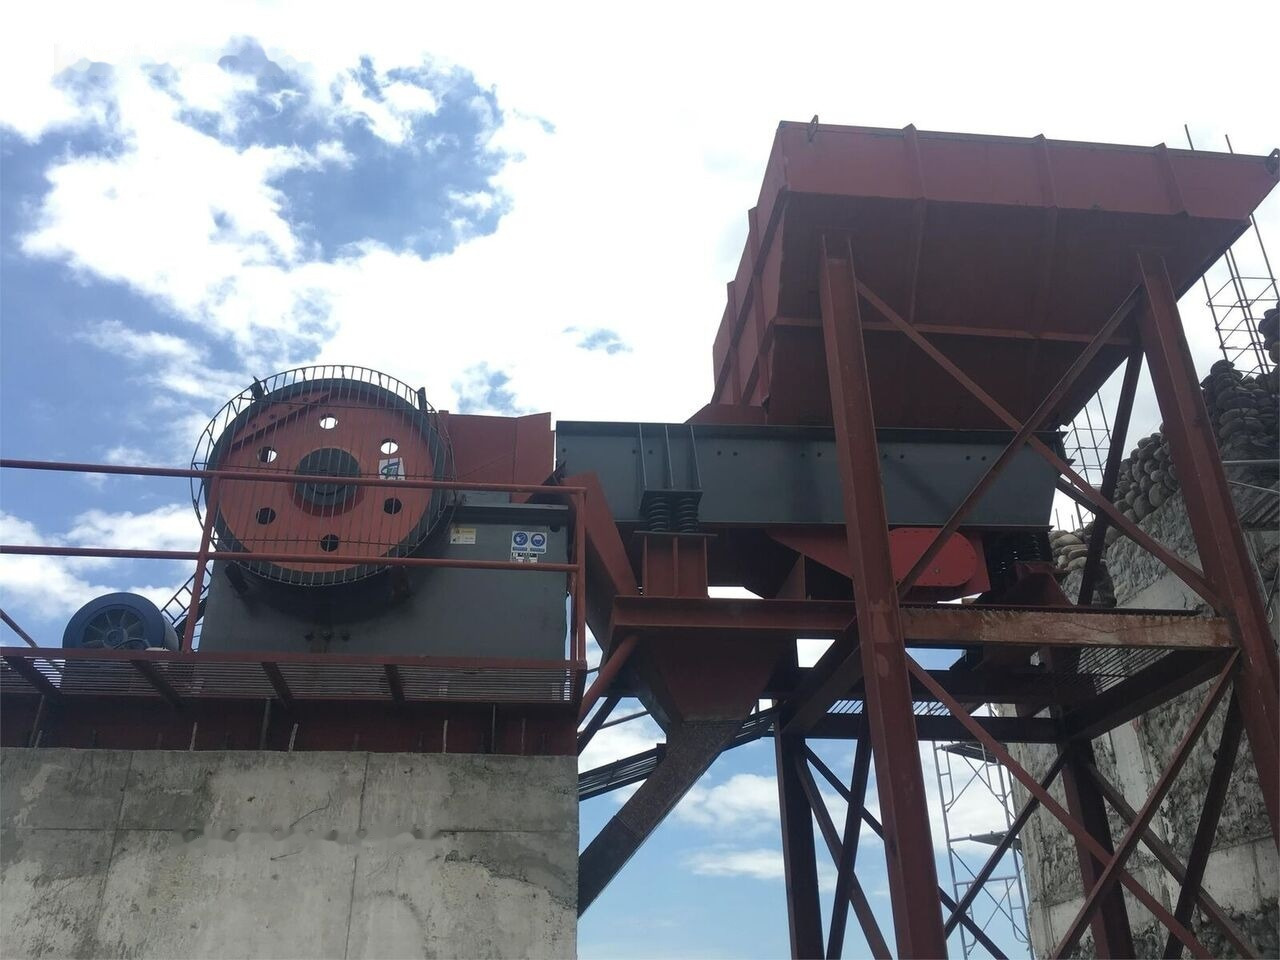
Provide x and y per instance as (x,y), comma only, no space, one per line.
(1106,882)
(158,683)
(899,780)
(852,894)
(691,749)
(276,678)
(837,671)
(928,625)
(1074,827)
(845,726)
(804,916)
(1214,524)
(1110,476)
(846,863)
(597,720)
(25,668)
(610,667)
(1215,797)
(1177,869)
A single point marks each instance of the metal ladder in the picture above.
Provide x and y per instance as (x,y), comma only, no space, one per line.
(179,605)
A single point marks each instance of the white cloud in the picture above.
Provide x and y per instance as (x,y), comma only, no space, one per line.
(50,589)
(746,801)
(634,207)
(623,740)
(170,527)
(759,863)
(755,863)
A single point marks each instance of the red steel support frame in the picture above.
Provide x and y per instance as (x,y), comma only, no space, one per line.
(1106,880)
(908,848)
(1111,474)
(1206,830)
(1073,826)
(804,915)
(849,892)
(1112,935)
(1213,521)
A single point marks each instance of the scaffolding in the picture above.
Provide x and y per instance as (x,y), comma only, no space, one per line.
(1237,299)
(966,769)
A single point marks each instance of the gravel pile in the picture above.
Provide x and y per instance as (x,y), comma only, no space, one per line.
(1245,412)
(1269,329)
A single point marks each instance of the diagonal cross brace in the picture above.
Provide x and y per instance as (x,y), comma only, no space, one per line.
(1053,806)
(1129,841)
(1169,860)
(1096,501)
(1023,431)
(878,829)
(854,895)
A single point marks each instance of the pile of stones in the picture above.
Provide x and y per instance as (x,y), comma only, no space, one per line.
(1070,550)
(1269,330)
(1245,412)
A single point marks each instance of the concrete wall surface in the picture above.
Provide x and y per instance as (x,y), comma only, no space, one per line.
(263,854)
(1243,872)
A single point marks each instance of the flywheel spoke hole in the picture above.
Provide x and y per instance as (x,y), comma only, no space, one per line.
(329,542)
(328,422)
(265,515)
(389,446)
(391,505)
(268,454)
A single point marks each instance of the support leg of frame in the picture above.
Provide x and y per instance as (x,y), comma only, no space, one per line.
(1112,936)
(1219,540)
(913,876)
(804,915)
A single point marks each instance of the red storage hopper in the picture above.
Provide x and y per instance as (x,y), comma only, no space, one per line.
(1009,253)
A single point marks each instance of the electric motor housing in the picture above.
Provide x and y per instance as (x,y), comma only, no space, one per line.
(120,621)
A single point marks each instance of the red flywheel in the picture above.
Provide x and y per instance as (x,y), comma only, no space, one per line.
(333,424)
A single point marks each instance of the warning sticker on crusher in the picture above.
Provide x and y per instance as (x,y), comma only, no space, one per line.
(527,545)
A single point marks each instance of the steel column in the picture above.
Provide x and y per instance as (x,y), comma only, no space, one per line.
(1169,860)
(804,915)
(1213,521)
(1110,475)
(899,779)
(847,862)
(1046,799)
(854,895)
(1215,796)
(1129,842)
(1112,935)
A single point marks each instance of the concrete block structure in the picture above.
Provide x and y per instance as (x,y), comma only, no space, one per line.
(1243,871)
(322,854)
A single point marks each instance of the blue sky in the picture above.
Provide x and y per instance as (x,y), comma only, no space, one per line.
(522,211)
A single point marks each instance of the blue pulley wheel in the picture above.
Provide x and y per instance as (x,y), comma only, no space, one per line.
(120,621)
